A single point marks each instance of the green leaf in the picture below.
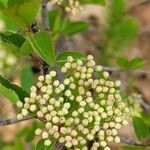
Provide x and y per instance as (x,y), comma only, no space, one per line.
(23,12)
(10,94)
(18,90)
(40,145)
(42,45)
(122,62)
(55,19)
(72,28)
(136,63)
(12,38)
(132,148)
(10,25)
(26,48)
(62,57)
(140,128)
(26,77)
(3,3)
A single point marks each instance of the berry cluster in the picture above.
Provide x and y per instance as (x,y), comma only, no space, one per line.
(7,60)
(71,6)
(81,109)
(134,105)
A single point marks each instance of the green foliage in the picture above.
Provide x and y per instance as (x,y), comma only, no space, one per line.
(132,148)
(62,57)
(3,3)
(62,25)
(120,31)
(40,145)
(23,11)
(18,90)
(26,48)
(140,128)
(72,28)
(12,38)
(10,94)
(125,63)
(136,63)
(42,45)
(27,77)
(10,25)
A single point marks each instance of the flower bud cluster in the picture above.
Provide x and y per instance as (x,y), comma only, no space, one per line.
(134,105)
(80,109)
(71,6)
(7,60)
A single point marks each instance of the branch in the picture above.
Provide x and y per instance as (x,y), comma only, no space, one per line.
(132,142)
(14,121)
(45,15)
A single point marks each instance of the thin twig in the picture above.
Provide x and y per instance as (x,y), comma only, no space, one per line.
(45,15)
(127,141)
(14,120)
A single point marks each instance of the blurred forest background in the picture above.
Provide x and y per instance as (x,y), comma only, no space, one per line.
(117,34)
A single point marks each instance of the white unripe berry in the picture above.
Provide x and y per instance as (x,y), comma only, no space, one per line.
(50,107)
(47,142)
(66,81)
(124,122)
(79,62)
(40,114)
(70,59)
(38,131)
(74,141)
(48,125)
(19,116)
(74,133)
(48,117)
(61,139)
(61,99)
(99,68)
(117,83)
(53,73)
(53,113)
(79,98)
(56,135)
(90,137)
(45,135)
(24,112)
(67,105)
(19,104)
(56,83)
(105,74)
(68,93)
(103,143)
(117,139)
(26,100)
(82,103)
(63,69)
(33,95)
(107,148)
(72,86)
(41,78)
(82,141)
(44,110)
(33,108)
(68,144)
(73,65)
(90,57)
